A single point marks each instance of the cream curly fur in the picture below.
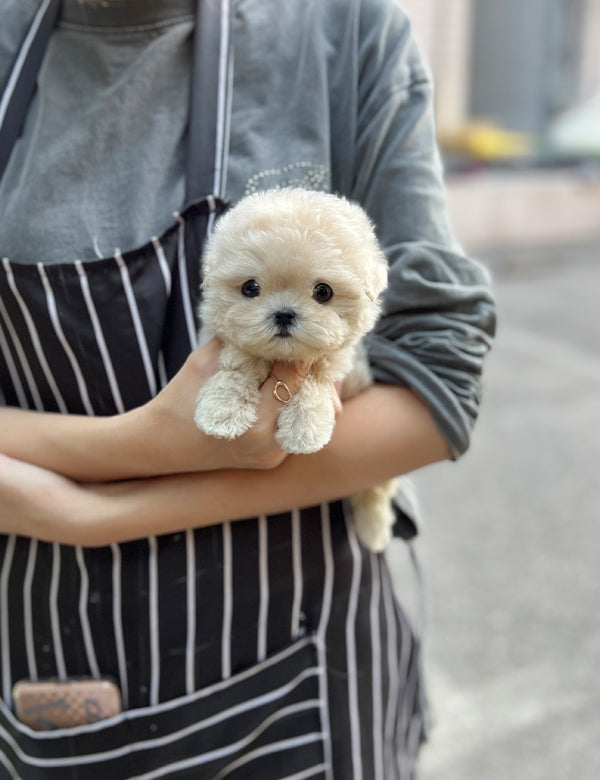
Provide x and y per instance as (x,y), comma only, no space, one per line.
(293,275)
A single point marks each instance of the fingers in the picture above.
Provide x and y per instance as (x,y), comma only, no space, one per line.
(283,384)
(202,362)
(285,381)
(295,372)
(213,347)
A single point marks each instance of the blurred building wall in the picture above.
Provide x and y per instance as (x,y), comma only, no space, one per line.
(517,63)
(590,53)
(526,60)
(443,29)
(558,42)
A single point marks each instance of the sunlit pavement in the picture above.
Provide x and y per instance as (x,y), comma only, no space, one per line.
(510,542)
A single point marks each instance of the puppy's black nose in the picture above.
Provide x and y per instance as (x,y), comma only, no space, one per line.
(284,318)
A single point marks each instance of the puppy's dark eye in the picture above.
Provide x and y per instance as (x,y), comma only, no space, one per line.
(251,289)
(322,293)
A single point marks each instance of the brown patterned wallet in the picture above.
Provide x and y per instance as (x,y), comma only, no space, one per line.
(60,704)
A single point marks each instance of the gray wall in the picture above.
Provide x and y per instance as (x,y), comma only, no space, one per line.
(525,60)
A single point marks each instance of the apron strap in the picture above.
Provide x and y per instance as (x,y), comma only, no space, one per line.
(208,136)
(210,94)
(22,81)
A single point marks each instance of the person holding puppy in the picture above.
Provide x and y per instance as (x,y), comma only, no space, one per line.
(219,583)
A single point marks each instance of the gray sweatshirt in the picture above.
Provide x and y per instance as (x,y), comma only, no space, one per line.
(327,94)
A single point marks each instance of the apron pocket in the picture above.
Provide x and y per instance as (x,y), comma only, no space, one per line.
(264,723)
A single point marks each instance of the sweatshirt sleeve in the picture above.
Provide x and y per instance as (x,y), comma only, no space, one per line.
(438,316)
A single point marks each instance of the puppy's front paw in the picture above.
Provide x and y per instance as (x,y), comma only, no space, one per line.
(223,409)
(300,436)
(222,423)
(306,424)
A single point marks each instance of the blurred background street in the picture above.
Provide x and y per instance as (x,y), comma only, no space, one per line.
(510,544)
(510,536)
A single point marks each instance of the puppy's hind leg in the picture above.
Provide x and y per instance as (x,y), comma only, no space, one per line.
(374,516)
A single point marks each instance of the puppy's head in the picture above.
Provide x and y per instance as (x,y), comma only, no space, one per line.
(292,275)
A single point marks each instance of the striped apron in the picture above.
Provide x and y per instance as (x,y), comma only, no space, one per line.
(269,648)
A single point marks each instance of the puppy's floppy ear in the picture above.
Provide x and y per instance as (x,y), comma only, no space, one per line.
(369,258)
(376,276)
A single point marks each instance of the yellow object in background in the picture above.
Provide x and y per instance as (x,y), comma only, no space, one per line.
(486,141)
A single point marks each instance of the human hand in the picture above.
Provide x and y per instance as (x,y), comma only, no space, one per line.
(182,447)
(156,439)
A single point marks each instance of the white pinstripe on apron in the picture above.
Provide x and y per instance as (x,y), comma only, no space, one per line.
(270,648)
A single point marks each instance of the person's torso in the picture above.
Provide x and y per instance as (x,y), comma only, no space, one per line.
(110,119)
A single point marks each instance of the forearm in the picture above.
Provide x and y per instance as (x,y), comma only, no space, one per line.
(382,432)
(156,439)
(86,449)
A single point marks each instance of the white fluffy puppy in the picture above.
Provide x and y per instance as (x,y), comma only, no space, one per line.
(293,275)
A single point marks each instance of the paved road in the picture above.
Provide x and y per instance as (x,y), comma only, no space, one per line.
(511,543)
